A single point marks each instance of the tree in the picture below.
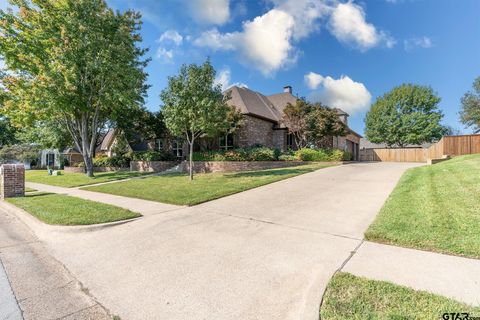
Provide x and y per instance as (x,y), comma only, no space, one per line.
(73,61)
(45,134)
(408,114)
(310,123)
(233,121)
(193,105)
(7,132)
(470,114)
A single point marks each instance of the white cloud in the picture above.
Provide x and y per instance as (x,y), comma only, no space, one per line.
(348,25)
(224,77)
(210,11)
(171,36)
(264,42)
(421,42)
(306,14)
(313,80)
(215,40)
(164,55)
(343,93)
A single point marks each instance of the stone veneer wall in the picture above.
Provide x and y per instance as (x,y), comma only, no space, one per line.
(255,131)
(234,166)
(12,180)
(152,166)
(95,169)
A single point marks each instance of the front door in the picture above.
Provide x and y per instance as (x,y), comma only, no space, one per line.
(50,160)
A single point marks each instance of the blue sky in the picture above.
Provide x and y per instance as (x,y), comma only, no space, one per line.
(343,53)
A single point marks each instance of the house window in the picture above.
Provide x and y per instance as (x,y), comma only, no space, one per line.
(226,142)
(177,148)
(290,141)
(50,160)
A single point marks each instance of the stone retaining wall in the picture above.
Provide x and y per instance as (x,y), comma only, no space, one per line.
(12,180)
(95,169)
(234,166)
(152,166)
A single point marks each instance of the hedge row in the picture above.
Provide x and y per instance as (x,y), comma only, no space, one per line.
(267,154)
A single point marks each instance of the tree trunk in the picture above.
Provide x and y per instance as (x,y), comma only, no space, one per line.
(88,164)
(190,156)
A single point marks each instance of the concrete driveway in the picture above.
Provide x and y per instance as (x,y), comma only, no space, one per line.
(266,253)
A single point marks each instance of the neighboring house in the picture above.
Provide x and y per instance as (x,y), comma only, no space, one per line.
(53,158)
(262,126)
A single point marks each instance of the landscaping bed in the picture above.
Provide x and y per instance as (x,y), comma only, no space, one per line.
(434,208)
(58,209)
(77,179)
(177,189)
(351,297)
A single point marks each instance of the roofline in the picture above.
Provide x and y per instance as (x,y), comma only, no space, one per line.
(354,133)
(260,117)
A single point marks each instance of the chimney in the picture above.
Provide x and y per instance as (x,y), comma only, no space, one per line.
(287,89)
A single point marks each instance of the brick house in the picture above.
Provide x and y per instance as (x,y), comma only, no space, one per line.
(262,126)
(263,122)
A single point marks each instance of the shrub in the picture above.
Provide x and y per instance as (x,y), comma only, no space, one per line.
(307,154)
(115,161)
(250,154)
(151,155)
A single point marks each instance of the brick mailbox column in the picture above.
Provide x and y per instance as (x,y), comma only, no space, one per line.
(12,180)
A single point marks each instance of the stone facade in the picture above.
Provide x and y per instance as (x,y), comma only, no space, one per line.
(350,143)
(256,131)
(12,180)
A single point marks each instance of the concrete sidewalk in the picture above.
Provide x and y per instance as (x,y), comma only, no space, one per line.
(43,288)
(144,207)
(450,276)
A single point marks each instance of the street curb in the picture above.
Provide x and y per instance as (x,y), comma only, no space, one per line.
(9,308)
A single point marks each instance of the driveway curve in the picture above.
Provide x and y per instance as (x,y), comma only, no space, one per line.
(266,253)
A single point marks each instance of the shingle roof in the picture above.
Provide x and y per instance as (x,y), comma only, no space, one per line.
(280,100)
(253,103)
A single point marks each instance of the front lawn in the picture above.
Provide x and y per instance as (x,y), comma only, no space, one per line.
(177,189)
(58,209)
(351,297)
(435,208)
(69,180)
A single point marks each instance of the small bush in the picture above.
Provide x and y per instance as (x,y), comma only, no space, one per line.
(250,154)
(115,161)
(307,154)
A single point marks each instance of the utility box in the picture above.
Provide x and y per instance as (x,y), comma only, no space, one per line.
(12,180)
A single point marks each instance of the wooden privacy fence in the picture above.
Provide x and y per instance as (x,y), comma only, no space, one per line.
(447,146)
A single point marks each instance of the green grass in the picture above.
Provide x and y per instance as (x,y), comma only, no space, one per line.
(57,209)
(177,189)
(27,189)
(351,297)
(69,180)
(435,208)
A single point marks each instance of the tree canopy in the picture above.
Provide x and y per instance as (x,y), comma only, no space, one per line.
(193,105)
(7,132)
(408,114)
(73,61)
(311,123)
(470,113)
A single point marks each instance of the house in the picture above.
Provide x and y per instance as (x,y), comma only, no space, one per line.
(263,122)
(53,158)
(262,126)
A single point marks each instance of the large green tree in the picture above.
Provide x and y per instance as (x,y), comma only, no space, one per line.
(408,114)
(311,123)
(7,132)
(193,105)
(470,113)
(73,61)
